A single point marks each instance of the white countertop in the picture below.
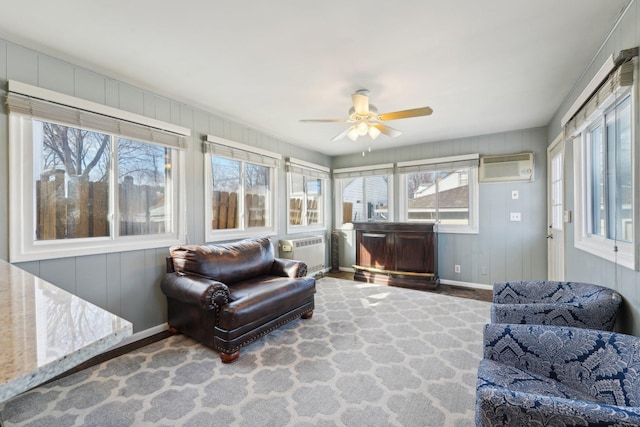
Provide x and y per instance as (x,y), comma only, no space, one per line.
(47,331)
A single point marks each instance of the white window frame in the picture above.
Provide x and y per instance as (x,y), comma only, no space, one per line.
(315,171)
(466,161)
(22,244)
(245,154)
(618,252)
(361,172)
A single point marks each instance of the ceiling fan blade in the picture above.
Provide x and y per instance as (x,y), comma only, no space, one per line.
(324,121)
(341,134)
(405,114)
(386,130)
(360,103)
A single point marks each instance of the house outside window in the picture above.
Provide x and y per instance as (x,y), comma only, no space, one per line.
(240,193)
(604,156)
(78,187)
(363,194)
(306,195)
(443,191)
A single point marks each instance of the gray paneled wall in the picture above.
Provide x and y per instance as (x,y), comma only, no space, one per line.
(126,283)
(502,250)
(581,266)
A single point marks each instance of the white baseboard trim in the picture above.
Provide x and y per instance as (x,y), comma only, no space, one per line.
(347,269)
(466,284)
(141,335)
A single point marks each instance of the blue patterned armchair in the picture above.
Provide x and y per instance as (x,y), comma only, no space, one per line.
(541,375)
(542,302)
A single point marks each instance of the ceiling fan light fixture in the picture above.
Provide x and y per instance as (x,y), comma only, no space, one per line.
(353,133)
(374,132)
(363,128)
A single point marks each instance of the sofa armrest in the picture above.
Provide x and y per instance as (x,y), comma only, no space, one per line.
(288,268)
(205,293)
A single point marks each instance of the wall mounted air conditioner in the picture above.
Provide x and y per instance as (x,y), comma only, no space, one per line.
(509,167)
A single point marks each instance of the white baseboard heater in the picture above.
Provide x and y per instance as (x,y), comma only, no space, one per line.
(311,250)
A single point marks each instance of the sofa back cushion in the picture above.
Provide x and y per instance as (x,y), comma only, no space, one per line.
(227,262)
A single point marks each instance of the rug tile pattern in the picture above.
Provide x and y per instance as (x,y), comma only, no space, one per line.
(370,356)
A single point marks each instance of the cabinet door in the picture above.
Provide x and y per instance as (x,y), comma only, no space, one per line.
(414,252)
(376,250)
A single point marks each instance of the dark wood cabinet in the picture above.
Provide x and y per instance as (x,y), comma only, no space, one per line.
(397,254)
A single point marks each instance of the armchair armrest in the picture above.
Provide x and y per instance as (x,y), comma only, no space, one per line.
(525,291)
(288,268)
(587,360)
(205,293)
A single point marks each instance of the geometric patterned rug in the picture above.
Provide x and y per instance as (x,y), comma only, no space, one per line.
(371,355)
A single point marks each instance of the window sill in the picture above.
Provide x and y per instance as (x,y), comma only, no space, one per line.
(44,250)
(227,235)
(604,249)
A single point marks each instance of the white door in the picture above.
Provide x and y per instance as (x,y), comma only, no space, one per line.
(555,196)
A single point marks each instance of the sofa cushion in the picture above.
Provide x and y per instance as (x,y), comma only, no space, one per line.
(262,299)
(227,263)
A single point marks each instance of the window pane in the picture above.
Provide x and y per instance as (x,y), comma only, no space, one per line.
(314,201)
(439,195)
(597,181)
(376,198)
(257,195)
(226,187)
(72,182)
(453,197)
(365,199)
(620,167)
(144,171)
(556,192)
(296,198)
(422,196)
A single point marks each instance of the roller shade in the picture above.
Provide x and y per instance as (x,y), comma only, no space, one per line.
(312,171)
(619,79)
(46,110)
(447,163)
(233,150)
(385,169)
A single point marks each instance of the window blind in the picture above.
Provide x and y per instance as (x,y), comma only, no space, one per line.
(43,109)
(447,163)
(385,169)
(619,79)
(312,171)
(233,150)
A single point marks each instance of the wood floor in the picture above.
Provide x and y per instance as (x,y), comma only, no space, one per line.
(458,291)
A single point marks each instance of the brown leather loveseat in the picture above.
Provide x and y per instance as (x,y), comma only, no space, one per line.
(227,295)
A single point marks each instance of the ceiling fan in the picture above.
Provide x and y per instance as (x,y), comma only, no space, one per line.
(367,120)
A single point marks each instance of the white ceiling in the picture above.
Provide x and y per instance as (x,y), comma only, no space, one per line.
(483,66)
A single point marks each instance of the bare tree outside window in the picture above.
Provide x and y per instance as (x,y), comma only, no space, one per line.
(72,182)
(256,184)
(143,172)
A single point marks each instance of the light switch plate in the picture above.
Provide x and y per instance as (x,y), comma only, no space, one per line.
(515,195)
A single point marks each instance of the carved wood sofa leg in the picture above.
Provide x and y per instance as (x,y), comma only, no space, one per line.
(173,331)
(307,315)
(228,358)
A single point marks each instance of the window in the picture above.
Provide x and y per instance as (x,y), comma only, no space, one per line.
(441,190)
(306,189)
(363,194)
(240,192)
(604,159)
(85,188)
